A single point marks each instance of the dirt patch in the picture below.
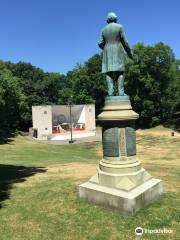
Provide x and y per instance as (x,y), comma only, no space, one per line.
(157,155)
(169,187)
(74,170)
(152,149)
(160,174)
(77,171)
(159,131)
(161,162)
(99,151)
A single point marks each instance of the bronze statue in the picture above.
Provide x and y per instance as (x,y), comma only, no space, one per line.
(114,45)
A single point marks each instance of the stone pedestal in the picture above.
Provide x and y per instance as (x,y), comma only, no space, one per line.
(120,181)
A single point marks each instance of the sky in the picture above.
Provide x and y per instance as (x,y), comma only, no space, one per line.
(55,35)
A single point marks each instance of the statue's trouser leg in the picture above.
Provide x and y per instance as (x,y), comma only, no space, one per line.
(110,85)
(121,85)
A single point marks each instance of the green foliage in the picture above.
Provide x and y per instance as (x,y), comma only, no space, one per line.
(173,99)
(152,82)
(148,80)
(12,100)
(39,87)
(86,84)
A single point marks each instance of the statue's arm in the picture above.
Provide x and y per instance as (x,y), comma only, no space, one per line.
(125,43)
(101,42)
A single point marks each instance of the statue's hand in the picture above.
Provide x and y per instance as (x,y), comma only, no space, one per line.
(101,45)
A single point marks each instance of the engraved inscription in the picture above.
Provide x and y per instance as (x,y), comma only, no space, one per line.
(130,141)
(122,145)
(110,142)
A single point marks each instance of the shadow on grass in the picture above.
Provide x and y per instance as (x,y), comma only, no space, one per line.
(10,174)
(7,137)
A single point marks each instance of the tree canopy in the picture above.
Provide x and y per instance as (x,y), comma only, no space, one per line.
(152,82)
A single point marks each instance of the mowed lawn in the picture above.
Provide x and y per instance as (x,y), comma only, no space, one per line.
(39,191)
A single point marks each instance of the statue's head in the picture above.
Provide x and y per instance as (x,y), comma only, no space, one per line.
(111,17)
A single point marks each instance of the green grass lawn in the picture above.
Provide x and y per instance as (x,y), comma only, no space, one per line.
(39,192)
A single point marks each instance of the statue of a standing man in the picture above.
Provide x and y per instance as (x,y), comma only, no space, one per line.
(114,45)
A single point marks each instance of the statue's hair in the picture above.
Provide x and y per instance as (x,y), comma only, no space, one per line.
(111,17)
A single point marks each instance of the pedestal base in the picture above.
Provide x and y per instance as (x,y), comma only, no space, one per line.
(125,202)
(120,182)
(121,175)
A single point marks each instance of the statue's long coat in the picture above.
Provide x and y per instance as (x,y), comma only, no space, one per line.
(114,44)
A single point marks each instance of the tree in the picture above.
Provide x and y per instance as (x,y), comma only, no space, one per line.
(86,83)
(147,79)
(173,100)
(39,88)
(152,82)
(12,100)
